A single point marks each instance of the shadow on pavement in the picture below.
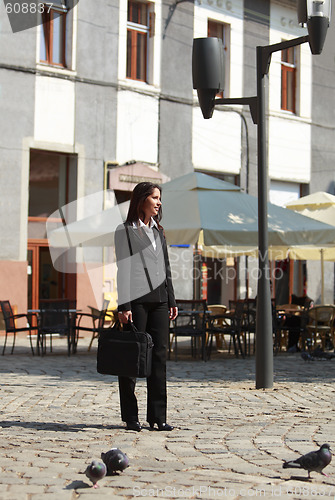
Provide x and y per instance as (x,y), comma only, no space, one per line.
(76,485)
(55,367)
(55,426)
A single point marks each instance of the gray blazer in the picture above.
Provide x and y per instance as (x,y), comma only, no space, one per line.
(144,274)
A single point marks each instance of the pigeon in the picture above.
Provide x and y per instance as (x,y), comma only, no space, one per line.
(320,354)
(317,354)
(306,356)
(95,471)
(314,461)
(115,460)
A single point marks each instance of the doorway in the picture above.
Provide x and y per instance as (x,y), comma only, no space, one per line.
(52,184)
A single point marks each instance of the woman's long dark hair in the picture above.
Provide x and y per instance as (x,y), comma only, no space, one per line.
(140,193)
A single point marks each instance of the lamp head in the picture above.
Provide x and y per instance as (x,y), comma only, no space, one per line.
(207,71)
(316,15)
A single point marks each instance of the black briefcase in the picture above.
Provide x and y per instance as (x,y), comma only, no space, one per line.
(124,353)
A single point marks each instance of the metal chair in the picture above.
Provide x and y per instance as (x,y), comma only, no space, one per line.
(10,324)
(230,323)
(248,324)
(54,319)
(98,319)
(217,310)
(320,324)
(190,322)
(280,335)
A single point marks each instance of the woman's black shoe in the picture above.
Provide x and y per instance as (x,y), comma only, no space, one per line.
(161,427)
(133,426)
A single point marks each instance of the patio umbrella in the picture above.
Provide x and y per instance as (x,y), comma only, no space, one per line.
(319,206)
(230,219)
(226,223)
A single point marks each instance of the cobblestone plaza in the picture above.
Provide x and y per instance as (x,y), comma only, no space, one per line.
(229,441)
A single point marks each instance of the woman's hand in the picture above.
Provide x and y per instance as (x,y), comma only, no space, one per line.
(173,312)
(125,316)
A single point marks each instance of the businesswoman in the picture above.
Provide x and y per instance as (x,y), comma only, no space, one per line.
(146,297)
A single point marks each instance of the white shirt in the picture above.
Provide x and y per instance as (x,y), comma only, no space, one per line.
(148,229)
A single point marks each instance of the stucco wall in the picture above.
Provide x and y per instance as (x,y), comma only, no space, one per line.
(175,141)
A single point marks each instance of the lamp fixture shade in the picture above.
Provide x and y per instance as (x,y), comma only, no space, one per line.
(316,15)
(317,30)
(207,71)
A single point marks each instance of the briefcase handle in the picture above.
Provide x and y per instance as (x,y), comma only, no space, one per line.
(135,330)
(132,326)
(121,326)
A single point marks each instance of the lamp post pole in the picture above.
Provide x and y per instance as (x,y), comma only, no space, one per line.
(264,329)
(264,342)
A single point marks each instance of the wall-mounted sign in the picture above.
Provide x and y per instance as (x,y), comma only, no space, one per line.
(136,179)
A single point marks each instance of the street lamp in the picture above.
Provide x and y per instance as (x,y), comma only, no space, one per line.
(208,72)
(316,15)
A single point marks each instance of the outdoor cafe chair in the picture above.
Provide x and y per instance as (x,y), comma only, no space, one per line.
(216,310)
(320,325)
(97,319)
(190,322)
(54,319)
(248,322)
(228,323)
(10,324)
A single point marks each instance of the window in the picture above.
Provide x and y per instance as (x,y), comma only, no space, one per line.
(221,31)
(217,30)
(138,31)
(53,35)
(288,79)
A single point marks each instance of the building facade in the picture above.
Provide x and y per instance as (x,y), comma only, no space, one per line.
(99,95)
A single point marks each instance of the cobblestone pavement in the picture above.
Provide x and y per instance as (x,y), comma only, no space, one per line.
(57,414)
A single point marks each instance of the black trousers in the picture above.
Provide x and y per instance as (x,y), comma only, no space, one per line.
(152,317)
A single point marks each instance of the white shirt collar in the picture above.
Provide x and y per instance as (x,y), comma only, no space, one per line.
(140,223)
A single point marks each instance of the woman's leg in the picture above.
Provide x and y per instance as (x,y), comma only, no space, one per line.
(128,401)
(158,327)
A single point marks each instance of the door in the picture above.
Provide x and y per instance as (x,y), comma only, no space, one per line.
(44,281)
